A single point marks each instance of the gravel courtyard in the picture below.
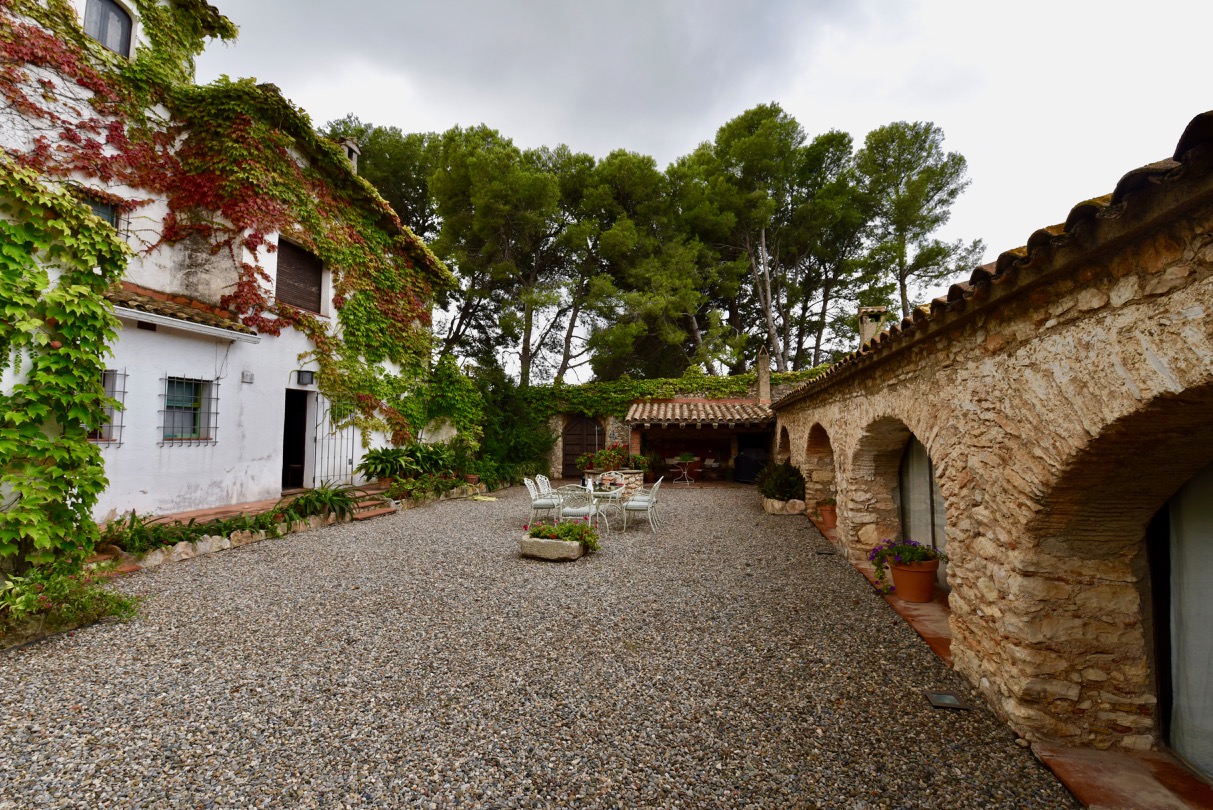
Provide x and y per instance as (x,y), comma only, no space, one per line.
(416,660)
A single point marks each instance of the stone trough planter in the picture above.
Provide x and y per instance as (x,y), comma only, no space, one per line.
(776,507)
(545,549)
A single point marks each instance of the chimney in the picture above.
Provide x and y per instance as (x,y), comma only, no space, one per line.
(870,321)
(352,152)
(764,377)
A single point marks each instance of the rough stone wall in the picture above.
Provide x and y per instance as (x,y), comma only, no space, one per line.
(1059,418)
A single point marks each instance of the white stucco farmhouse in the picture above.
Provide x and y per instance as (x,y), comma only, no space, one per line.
(269,290)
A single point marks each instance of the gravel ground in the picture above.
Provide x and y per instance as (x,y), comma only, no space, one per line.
(416,660)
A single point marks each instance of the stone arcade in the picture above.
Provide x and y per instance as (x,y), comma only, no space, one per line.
(1051,422)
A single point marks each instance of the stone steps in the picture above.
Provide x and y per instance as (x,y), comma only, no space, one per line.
(373,503)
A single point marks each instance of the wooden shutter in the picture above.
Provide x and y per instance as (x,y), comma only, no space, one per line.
(299,277)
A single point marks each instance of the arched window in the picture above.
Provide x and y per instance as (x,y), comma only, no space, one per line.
(923,517)
(110,24)
(1181,553)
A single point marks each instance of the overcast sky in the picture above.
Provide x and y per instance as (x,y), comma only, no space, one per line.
(1050,102)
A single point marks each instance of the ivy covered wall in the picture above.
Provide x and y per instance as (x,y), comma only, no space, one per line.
(220,170)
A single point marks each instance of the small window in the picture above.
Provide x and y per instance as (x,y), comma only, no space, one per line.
(300,277)
(106,210)
(190,413)
(109,432)
(108,23)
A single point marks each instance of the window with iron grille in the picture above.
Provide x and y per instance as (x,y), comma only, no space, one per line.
(106,210)
(110,24)
(191,411)
(109,432)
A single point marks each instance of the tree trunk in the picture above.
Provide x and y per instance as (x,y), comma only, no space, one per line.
(819,338)
(566,355)
(697,340)
(762,285)
(902,272)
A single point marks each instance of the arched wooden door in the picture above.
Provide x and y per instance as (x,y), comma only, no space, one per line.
(581,435)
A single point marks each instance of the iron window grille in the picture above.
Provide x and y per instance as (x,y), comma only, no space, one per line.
(190,412)
(109,432)
(107,211)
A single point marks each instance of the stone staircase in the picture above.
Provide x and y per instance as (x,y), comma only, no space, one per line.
(373,502)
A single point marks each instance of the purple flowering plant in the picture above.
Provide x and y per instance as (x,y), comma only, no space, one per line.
(891,552)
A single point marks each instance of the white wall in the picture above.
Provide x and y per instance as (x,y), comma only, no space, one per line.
(245,461)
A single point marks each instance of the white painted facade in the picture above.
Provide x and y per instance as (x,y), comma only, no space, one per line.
(244,459)
(241,454)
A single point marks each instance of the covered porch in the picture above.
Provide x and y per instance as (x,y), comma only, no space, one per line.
(702,439)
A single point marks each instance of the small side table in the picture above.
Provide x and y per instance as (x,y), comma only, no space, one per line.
(684,472)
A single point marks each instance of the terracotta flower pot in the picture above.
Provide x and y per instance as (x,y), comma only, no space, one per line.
(829,515)
(914,582)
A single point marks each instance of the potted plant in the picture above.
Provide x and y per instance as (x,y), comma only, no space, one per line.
(827,512)
(612,457)
(382,464)
(913,566)
(651,460)
(781,482)
(564,541)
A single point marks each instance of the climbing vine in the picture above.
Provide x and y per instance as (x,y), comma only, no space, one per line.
(612,397)
(56,260)
(236,163)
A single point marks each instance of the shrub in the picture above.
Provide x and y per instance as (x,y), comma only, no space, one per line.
(782,482)
(422,485)
(138,534)
(385,462)
(56,600)
(323,500)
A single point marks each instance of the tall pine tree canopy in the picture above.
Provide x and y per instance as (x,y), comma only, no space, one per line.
(571,265)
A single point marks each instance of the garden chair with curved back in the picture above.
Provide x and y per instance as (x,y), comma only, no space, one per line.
(644,501)
(541,503)
(577,503)
(544,484)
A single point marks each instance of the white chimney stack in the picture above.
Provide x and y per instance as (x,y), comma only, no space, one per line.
(871,319)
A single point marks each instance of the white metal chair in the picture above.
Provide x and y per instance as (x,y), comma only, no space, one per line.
(579,504)
(541,503)
(544,484)
(644,501)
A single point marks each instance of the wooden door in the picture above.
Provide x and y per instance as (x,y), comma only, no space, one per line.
(581,435)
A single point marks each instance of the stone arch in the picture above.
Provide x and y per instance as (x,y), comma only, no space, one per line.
(819,465)
(1087,563)
(783,450)
(1101,500)
(872,497)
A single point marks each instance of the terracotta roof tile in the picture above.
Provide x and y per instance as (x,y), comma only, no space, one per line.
(153,302)
(702,412)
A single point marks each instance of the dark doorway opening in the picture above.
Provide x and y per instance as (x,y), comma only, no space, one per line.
(581,435)
(294,439)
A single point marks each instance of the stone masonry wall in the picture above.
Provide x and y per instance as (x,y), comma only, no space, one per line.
(1058,421)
